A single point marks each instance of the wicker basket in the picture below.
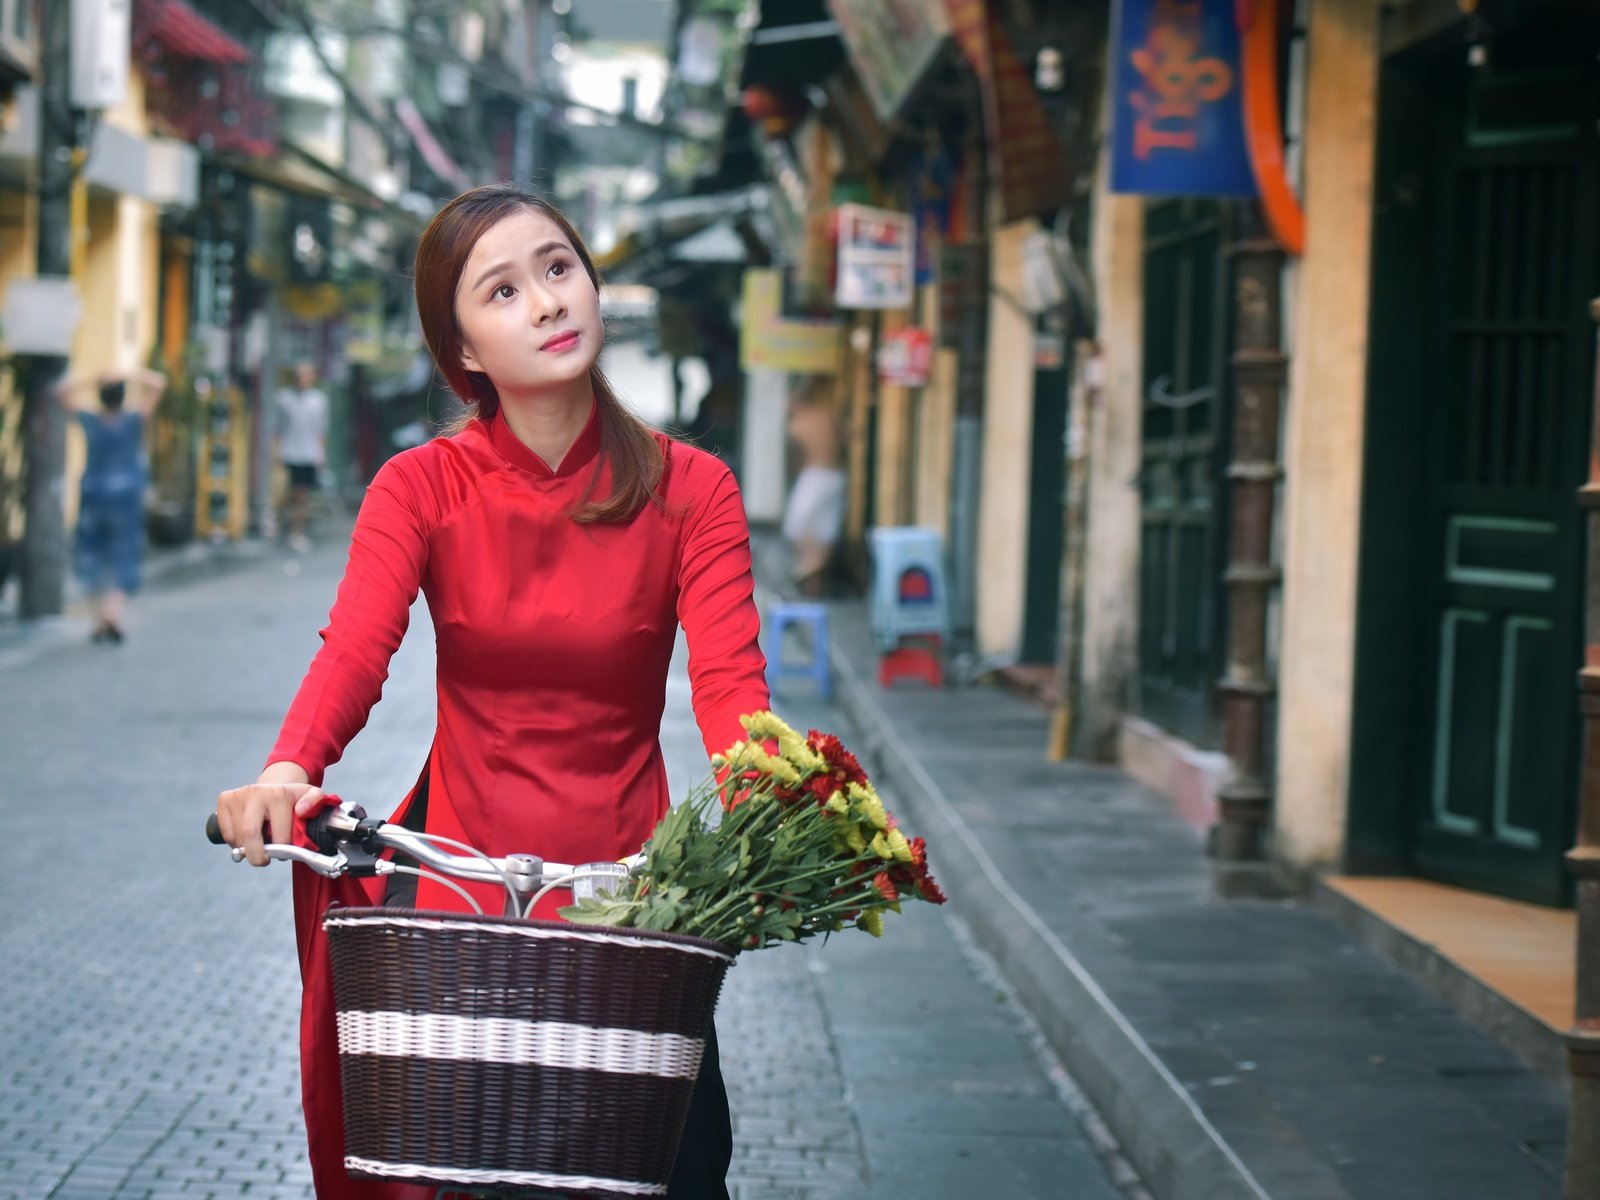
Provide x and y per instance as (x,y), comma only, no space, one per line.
(497,1054)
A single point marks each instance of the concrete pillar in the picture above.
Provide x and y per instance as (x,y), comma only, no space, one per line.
(1110,651)
(1007,441)
(1324,436)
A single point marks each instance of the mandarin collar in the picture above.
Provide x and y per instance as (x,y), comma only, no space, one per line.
(579,455)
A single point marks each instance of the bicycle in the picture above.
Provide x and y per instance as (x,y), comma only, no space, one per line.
(501,1055)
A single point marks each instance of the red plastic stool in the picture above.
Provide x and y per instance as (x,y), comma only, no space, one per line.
(913,658)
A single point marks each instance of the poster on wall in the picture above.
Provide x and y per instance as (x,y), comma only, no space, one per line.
(1176,103)
(905,357)
(877,258)
(772,341)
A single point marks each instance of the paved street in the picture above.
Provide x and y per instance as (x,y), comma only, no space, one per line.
(148,1001)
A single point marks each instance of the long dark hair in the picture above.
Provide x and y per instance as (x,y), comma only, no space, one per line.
(626,442)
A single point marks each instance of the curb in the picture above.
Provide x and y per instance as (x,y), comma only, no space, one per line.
(1178,1152)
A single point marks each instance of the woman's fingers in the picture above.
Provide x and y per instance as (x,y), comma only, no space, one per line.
(310,801)
(225,816)
(243,814)
(250,812)
(281,809)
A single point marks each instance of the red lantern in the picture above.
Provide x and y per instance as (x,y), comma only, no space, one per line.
(775,113)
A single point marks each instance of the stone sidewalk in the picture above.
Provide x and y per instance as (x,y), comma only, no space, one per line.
(1238,1049)
(149,995)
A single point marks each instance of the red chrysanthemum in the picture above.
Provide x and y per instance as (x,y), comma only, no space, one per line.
(885,887)
(842,765)
(915,877)
(821,787)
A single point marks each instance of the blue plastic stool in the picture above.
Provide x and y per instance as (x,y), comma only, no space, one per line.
(780,615)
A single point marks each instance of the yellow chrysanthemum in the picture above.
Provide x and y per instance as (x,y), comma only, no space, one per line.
(872,922)
(780,769)
(798,751)
(899,846)
(837,803)
(872,809)
(880,846)
(854,840)
(766,724)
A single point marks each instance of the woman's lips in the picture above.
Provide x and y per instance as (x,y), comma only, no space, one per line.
(562,341)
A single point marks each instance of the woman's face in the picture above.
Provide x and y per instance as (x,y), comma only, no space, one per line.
(528,314)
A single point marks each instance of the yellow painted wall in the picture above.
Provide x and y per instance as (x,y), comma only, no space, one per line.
(120,288)
(19,236)
(936,444)
(1111,551)
(1323,437)
(1007,440)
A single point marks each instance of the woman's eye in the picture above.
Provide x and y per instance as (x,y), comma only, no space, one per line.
(504,292)
(558,269)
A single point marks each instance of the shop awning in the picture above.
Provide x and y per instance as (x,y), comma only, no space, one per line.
(183,32)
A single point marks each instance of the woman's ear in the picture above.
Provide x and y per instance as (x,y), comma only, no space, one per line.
(468,360)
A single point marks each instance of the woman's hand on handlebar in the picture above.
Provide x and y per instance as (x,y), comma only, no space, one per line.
(273,801)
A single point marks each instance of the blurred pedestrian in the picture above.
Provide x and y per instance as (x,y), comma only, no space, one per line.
(560,543)
(813,516)
(302,447)
(108,542)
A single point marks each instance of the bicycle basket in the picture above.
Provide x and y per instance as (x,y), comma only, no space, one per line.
(492,1053)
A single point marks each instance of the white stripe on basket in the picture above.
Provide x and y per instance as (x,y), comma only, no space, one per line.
(521,1043)
(569,934)
(587,1183)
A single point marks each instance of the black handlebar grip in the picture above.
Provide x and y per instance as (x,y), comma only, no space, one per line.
(317,830)
(214,831)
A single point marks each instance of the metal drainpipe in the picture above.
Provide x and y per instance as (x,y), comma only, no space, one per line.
(1259,370)
(1583,860)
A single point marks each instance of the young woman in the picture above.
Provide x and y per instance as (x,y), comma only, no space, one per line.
(559,543)
(108,543)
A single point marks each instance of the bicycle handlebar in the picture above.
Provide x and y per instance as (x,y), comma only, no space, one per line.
(350,842)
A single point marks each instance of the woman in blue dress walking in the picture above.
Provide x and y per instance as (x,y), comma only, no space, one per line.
(108,547)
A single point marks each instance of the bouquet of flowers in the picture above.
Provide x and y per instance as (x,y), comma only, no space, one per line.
(803,846)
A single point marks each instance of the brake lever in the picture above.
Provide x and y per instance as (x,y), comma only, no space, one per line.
(331,865)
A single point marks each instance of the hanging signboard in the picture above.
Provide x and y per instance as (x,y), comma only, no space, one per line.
(891,43)
(877,258)
(771,341)
(1177,120)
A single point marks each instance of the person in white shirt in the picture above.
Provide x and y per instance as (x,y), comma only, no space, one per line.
(301,446)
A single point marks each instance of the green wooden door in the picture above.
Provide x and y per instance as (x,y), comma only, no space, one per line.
(1184,439)
(1498,563)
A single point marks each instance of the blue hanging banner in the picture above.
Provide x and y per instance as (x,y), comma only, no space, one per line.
(1177,112)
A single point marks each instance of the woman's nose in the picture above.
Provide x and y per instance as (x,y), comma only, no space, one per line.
(547,306)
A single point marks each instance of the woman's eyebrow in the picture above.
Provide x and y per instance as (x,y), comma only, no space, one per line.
(549,247)
(494,270)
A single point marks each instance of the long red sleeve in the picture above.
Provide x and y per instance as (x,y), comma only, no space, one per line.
(388,552)
(717,610)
